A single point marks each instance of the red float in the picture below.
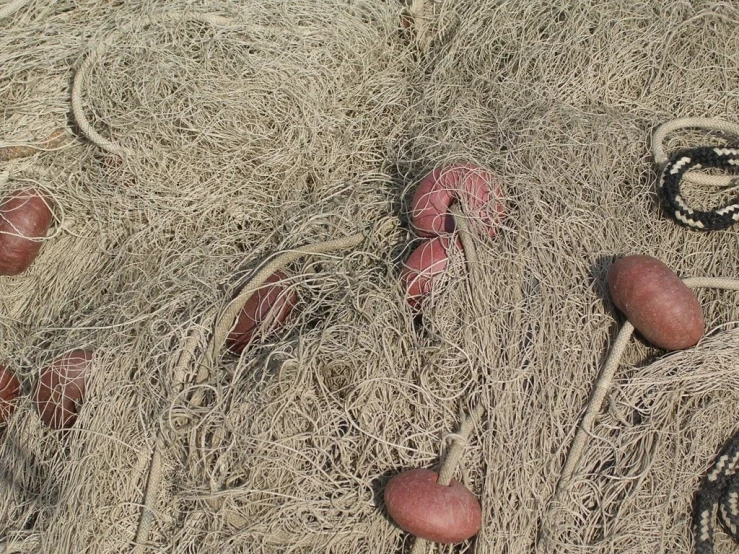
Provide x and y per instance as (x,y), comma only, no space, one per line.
(424,266)
(656,301)
(61,389)
(264,312)
(439,513)
(25,218)
(477,189)
(10,388)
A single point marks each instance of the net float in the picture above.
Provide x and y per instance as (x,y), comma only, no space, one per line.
(478,190)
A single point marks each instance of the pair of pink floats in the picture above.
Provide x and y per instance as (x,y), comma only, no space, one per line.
(479,193)
(415,499)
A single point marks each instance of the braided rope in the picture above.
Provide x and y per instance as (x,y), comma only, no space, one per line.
(729,506)
(675,170)
(712,283)
(153,483)
(420,21)
(597,396)
(660,156)
(719,492)
(156,472)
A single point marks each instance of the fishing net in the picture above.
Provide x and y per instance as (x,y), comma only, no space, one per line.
(228,135)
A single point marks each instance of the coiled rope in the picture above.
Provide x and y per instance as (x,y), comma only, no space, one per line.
(719,492)
(711,124)
(675,205)
(97,51)
(682,166)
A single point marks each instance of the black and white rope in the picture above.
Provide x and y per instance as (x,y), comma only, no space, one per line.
(718,494)
(672,174)
(706,123)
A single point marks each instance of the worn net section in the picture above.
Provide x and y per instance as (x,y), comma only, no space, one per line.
(302,121)
(663,426)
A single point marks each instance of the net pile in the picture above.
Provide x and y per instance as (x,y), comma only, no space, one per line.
(301,121)
(662,427)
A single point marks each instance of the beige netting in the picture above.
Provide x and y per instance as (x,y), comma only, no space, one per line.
(252,128)
(663,426)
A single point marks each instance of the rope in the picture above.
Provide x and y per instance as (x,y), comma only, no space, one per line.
(600,391)
(153,483)
(660,156)
(455,452)
(9,9)
(459,439)
(678,167)
(420,22)
(29,545)
(468,241)
(718,495)
(96,52)
(603,384)
(222,327)
(724,283)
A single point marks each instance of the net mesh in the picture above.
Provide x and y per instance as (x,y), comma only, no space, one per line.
(304,121)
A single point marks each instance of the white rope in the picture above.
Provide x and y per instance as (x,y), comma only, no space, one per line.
(597,396)
(98,50)
(660,156)
(725,283)
(9,9)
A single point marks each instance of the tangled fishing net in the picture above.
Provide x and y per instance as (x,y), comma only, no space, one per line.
(241,130)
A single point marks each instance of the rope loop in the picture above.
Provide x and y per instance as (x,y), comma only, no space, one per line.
(683,164)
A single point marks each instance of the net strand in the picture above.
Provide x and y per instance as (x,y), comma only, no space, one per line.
(222,328)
